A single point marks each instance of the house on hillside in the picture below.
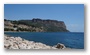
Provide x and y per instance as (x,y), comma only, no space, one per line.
(15,27)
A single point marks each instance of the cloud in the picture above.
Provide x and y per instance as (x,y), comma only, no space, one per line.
(75,27)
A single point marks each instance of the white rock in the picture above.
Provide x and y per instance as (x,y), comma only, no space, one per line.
(22,46)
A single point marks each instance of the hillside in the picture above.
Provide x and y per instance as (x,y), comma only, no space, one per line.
(35,25)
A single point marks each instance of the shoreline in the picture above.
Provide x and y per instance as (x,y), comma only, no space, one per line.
(51,32)
(24,31)
(11,42)
(16,31)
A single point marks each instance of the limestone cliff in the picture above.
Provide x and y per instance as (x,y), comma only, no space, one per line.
(37,25)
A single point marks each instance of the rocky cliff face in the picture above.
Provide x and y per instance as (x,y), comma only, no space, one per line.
(53,22)
(51,25)
(37,25)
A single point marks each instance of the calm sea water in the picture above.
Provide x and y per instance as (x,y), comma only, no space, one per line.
(69,39)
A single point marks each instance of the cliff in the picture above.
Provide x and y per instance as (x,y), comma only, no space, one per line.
(37,25)
(52,22)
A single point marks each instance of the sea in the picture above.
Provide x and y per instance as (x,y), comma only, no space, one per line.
(73,40)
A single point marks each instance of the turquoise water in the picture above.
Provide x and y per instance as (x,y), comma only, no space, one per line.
(69,39)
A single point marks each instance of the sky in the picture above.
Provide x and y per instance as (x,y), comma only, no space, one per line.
(71,14)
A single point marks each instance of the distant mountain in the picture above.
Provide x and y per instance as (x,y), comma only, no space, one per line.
(36,25)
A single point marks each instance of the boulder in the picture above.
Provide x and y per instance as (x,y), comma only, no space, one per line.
(60,46)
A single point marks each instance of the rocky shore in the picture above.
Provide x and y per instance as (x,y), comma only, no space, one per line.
(11,42)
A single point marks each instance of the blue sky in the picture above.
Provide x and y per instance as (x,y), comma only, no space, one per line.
(71,14)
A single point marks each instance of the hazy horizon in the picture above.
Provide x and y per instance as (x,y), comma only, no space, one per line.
(71,14)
